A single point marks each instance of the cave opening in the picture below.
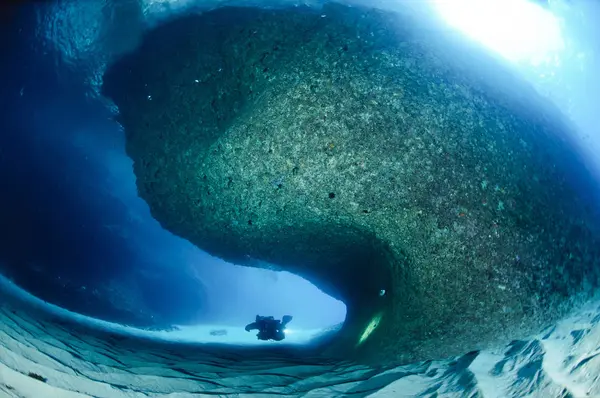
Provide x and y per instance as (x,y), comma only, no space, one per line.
(428,257)
(236,294)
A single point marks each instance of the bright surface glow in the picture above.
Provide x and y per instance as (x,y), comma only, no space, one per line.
(516,29)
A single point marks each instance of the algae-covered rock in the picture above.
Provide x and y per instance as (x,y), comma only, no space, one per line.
(348,146)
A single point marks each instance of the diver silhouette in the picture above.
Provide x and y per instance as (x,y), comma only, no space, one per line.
(269,328)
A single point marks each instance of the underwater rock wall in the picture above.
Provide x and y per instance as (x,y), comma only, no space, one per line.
(350,147)
(42,355)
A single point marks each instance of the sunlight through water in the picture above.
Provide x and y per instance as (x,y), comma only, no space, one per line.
(405,174)
(518,30)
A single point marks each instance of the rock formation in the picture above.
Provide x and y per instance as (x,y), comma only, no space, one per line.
(369,154)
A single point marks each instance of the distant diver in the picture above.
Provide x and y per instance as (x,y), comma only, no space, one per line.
(269,328)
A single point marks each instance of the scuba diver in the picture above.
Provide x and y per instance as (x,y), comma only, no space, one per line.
(269,328)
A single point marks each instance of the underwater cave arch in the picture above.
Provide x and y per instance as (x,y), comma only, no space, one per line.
(379,171)
(362,174)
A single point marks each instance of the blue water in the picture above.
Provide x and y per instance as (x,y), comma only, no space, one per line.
(74,233)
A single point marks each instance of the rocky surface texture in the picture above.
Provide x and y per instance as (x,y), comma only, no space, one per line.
(365,152)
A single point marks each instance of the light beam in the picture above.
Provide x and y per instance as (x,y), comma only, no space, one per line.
(518,30)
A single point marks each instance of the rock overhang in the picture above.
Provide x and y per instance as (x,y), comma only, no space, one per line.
(351,150)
